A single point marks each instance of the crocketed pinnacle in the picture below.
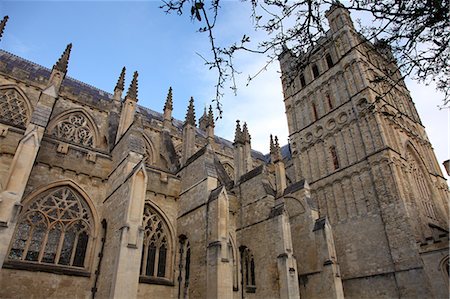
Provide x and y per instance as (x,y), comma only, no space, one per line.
(272,145)
(275,150)
(190,115)
(245,134)
(121,82)
(63,61)
(238,137)
(169,100)
(210,117)
(133,89)
(2,25)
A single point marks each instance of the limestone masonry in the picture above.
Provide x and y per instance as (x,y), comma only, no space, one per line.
(103,198)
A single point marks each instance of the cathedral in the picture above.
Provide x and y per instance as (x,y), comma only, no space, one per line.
(103,198)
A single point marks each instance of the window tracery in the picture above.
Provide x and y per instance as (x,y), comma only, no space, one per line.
(156,247)
(229,169)
(55,229)
(13,108)
(74,128)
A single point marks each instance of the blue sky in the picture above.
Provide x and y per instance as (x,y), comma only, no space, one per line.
(108,35)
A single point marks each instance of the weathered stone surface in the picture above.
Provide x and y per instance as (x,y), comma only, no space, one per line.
(354,207)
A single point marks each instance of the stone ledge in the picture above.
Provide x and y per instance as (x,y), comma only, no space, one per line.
(56,269)
(156,280)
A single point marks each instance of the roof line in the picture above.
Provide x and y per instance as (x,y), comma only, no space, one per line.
(47,69)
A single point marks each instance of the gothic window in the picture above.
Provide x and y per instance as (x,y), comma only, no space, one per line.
(13,108)
(419,181)
(55,229)
(156,249)
(74,128)
(235,274)
(248,270)
(315,70)
(314,110)
(334,157)
(329,61)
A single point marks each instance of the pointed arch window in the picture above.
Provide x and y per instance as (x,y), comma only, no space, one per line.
(55,229)
(13,108)
(75,127)
(156,249)
(248,270)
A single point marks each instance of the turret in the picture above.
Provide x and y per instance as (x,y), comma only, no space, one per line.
(277,160)
(128,107)
(242,151)
(338,16)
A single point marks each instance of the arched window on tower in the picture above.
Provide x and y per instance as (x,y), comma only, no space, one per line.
(329,101)
(334,157)
(329,61)
(55,228)
(302,80)
(314,110)
(248,270)
(156,249)
(315,70)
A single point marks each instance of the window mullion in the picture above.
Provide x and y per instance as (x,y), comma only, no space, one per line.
(74,248)
(43,245)
(27,244)
(60,244)
(144,258)
(155,266)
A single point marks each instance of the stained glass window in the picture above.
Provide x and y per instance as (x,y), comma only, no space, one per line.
(55,229)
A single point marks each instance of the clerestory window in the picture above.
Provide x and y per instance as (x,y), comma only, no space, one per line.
(55,229)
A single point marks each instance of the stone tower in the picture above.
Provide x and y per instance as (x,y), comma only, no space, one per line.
(357,139)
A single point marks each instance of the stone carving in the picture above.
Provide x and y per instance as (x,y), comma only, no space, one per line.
(74,128)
